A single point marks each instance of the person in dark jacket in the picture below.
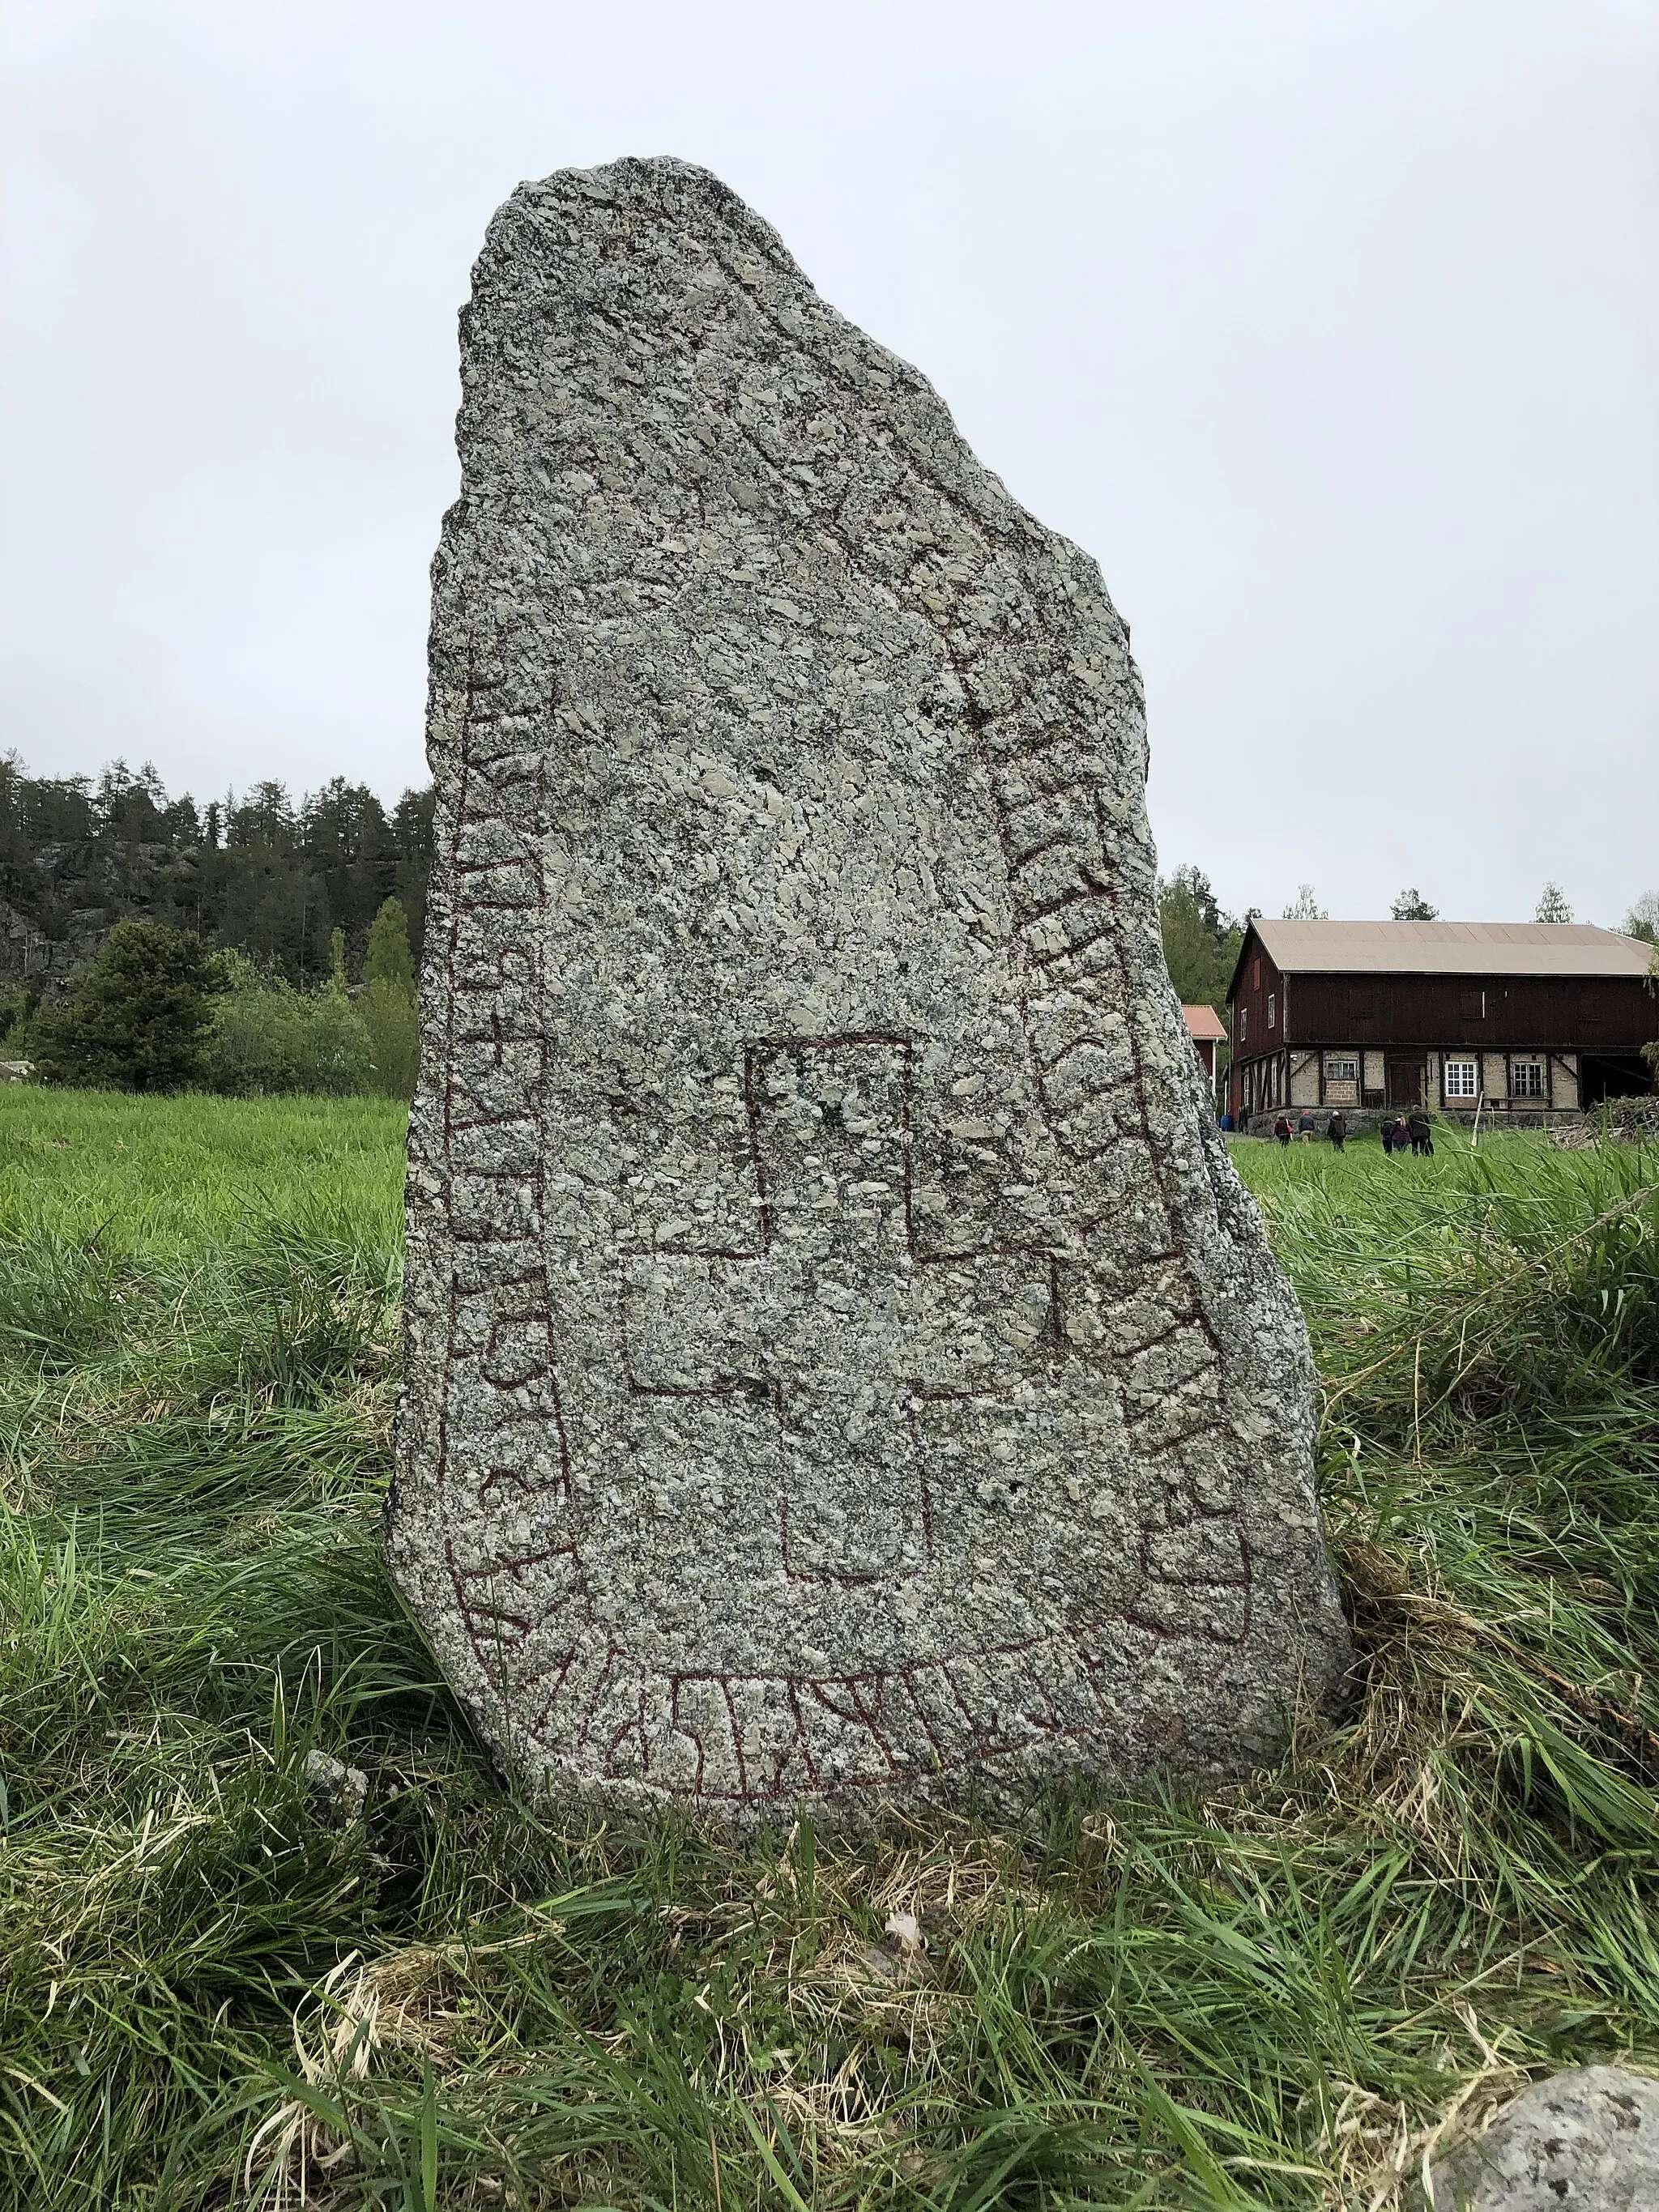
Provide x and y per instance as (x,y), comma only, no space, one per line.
(1386,1134)
(1337,1130)
(1282,1129)
(1304,1126)
(1417,1128)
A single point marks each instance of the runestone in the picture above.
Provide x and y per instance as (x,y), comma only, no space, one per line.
(843,1370)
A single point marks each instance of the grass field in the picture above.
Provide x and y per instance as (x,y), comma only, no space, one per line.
(1278,1997)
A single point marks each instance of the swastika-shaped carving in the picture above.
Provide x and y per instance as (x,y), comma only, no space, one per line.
(842,1332)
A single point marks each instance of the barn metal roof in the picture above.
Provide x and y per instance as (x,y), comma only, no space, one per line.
(1204,1021)
(1449,948)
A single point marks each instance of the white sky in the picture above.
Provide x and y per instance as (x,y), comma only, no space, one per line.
(1331,329)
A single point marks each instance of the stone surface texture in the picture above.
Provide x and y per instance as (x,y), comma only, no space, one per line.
(842,1366)
(1587,2141)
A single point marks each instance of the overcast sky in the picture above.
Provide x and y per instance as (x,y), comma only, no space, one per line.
(1332,330)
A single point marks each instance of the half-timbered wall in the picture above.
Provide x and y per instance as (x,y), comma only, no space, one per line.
(1331,1040)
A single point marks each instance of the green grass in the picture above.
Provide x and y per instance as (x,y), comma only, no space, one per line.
(180,1178)
(1278,1997)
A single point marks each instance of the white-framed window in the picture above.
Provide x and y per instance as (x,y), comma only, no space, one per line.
(1270,1009)
(1527,1078)
(1341,1079)
(1243,1024)
(1462,1079)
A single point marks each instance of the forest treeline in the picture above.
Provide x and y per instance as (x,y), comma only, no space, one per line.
(265,875)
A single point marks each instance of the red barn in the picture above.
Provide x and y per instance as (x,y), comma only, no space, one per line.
(1516,1017)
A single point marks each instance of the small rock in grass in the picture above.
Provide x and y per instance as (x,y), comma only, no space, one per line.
(1588,2140)
(339,1792)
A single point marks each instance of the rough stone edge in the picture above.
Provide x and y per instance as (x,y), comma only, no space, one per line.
(1214,1212)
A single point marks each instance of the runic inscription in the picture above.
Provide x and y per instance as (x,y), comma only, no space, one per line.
(841,1367)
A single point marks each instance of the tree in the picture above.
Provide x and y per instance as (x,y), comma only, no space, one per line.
(1553,905)
(1307,906)
(135,1019)
(1412,906)
(411,826)
(387,1003)
(1642,919)
(390,959)
(351,852)
(1200,943)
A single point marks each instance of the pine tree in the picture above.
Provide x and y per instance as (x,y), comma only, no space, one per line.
(135,1019)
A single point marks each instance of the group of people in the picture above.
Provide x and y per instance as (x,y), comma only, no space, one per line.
(1306,1128)
(1412,1132)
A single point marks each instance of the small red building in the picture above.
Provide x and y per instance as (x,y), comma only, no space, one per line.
(1206,1029)
(1517,1018)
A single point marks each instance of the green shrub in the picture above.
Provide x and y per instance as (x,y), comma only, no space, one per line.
(134,1019)
(17,1011)
(267,1037)
(389,1018)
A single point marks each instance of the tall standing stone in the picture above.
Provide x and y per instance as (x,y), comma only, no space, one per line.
(842,1367)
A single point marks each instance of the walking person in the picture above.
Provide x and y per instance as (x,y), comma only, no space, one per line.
(1304,1126)
(1282,1129)
(1337,1129)
(1386,1133)
(1417,1128)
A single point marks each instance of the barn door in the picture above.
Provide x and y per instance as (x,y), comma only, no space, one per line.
(1405,1072)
